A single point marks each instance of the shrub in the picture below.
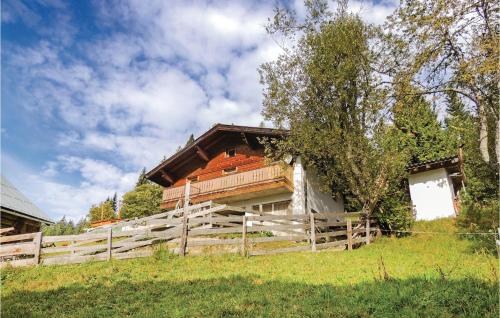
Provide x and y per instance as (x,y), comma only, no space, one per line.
(480,217)
(395,212)
(144,200)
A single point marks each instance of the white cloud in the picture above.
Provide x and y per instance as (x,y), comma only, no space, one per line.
(126,98)
(371,12)
(99,180)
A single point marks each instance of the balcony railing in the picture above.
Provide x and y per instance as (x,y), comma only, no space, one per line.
(231,182)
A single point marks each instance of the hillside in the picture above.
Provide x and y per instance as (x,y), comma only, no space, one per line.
(434,275)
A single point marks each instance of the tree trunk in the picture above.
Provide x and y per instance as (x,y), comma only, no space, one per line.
(483,134)
(497,142)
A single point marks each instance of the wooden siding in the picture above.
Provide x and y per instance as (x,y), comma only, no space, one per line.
(245,159)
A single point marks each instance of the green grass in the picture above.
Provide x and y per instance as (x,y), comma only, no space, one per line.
(419,276)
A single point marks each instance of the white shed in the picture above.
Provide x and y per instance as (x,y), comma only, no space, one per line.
(434,187)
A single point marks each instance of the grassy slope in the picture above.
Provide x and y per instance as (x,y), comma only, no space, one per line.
(298,284)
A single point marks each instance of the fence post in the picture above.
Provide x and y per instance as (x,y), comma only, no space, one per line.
(313,232)
(367,230)
(38,247)
(349,234)
(244,237)
(183,242)
(110,242)
(498,241)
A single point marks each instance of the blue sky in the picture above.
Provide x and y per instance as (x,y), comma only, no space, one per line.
(92,91)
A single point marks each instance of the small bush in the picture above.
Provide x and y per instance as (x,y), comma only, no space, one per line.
(480,217)
(395,213)
(162,253)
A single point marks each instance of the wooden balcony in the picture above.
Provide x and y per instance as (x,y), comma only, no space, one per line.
(238,186)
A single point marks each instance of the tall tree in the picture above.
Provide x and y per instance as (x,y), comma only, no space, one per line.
(420,131)
(325,91)
(101,212)
(189,141)
(142,178)
(444,46)
(114,202)
(64,227)
(144,200)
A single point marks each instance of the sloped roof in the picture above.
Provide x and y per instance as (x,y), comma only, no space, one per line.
(444,162)
(13,200)
(202,141)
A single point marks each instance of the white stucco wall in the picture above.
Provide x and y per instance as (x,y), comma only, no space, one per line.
(431,194)
(299,183)
(316,199)
(247,204)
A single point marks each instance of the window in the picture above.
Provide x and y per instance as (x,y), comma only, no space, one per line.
(281,207)
(229,170)
(267,208)
(230,152)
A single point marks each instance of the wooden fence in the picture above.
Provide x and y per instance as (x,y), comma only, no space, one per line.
(193,232)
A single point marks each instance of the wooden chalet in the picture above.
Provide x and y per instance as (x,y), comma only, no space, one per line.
(227,164)
(18,214)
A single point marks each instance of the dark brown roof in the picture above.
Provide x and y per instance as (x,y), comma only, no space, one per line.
(204,140)
(444,162)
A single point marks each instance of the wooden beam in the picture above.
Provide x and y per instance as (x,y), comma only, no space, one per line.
(166,176)
(349,234)
(202,153)
(248,140)
(244,237)
(110,242)
(38,247)
(313,232)
(245,139)
(5,230)
(184,233)
(367,230)
(216,141)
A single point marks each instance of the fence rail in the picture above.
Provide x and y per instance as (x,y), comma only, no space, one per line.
(193,233)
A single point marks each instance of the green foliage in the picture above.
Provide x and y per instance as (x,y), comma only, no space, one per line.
(64,227)
(144,200)
(450,51)
(395,210)
(480,217)
(142,178)
(325,91)
(190,141)
(448,47)
(102,211)
(324,88)
(114,202)
(479,199)
(420,132)
(427,276)
(463,130)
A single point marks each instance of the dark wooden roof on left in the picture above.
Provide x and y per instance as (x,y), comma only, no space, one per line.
(159,174)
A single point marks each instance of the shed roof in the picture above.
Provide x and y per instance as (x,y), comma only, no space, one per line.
(14,201)
(444,162)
